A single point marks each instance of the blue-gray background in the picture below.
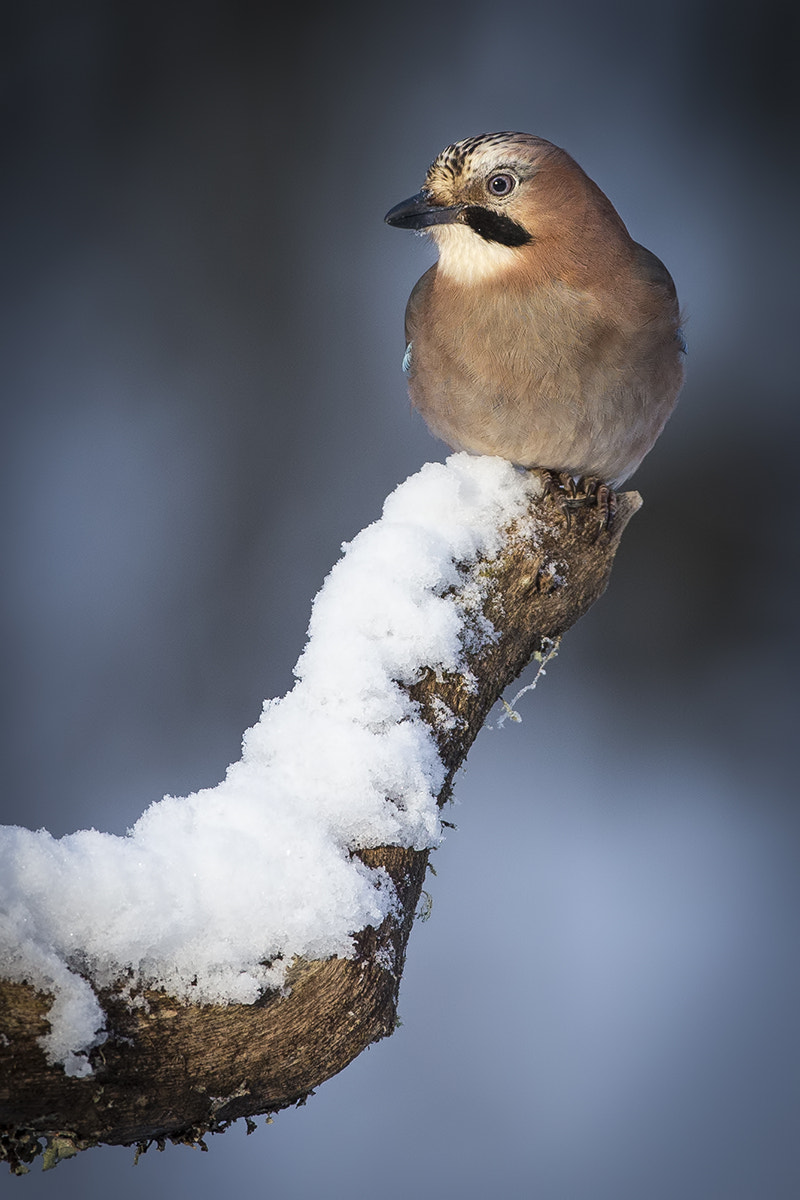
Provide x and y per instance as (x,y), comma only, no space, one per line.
(202,399)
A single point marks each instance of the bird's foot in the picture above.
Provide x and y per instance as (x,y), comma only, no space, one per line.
(588,491)
(593,492)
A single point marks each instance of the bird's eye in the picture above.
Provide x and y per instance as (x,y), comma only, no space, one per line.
(501,184)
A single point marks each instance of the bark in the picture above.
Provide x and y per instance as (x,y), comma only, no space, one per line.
(177,1071)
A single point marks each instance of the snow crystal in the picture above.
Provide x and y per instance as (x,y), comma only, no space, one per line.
(212,895)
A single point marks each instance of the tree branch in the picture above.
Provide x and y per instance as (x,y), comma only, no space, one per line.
(176,1071)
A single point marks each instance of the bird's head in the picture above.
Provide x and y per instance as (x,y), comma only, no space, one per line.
(486,199)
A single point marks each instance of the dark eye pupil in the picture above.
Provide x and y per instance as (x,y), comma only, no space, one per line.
(501,184)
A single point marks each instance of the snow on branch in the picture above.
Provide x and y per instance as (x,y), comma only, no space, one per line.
(263,922)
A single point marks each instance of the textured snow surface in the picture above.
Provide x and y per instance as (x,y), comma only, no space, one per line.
(205,890)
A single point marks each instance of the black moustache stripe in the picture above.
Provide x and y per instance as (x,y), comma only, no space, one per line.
(495,227)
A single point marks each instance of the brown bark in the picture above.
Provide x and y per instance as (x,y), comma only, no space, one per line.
(177,1071)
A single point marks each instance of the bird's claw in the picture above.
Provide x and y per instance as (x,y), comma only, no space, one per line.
(588,491)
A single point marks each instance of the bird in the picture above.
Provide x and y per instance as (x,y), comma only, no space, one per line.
(543,334)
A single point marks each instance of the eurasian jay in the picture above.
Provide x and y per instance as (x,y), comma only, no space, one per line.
(543,334)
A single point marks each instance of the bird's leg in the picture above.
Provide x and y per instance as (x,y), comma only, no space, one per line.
(592,491)
(558,484)
(561,486)
(573,494)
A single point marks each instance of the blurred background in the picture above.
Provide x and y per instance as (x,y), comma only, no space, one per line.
(202,398)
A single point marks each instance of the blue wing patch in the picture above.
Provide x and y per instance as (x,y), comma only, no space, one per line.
(407,359)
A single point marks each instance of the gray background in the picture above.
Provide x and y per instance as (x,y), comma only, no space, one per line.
(202,399)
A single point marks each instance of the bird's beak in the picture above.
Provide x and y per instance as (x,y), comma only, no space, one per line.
(418,212)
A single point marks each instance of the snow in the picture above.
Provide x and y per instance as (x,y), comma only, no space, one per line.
(212,895)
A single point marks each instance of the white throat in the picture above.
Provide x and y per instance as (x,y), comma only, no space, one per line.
(466,257)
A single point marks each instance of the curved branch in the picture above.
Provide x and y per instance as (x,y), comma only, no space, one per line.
(171,1070)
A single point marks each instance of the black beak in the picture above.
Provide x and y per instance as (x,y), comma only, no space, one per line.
(418,212)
